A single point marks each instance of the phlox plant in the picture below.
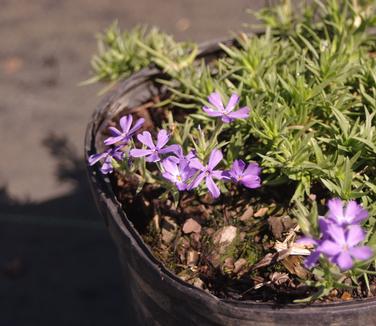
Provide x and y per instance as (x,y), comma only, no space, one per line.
(292,108)
(186,172)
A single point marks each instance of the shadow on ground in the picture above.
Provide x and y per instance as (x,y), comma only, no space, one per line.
(70,169)
(58,264)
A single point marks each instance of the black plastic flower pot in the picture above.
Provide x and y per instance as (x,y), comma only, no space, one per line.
(155,295)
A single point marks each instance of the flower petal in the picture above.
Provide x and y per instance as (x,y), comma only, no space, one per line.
(216,100)
(354,213)
(226,119)
(107,167)
(252,169)
(169,176)
(226,175)
(361,253)
(242,113)
(217,174)
(181,185)
(323,224)
(135,152)
(162,138)
(170,166)
(153,157)
(174,148)
(117,154)
(211,112)
(329,248)
(114,131)
(215,157)
(178,151)
(126,122)
(96,158)
(354,235)
(146,139)
(335,209)
(136,126)
(337,233)
(212,187)
(196,164)
(234,99)
(307,241)
(196,181)
(186,171)
(251,181)
(191,155)
(113,140)
(312,259)
(344,260)
(238,167)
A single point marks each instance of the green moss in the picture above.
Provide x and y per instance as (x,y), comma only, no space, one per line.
(246,249)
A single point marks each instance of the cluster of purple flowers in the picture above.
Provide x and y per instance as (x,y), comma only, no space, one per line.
(341,232)
(341,236)
(186,172)
(122,138)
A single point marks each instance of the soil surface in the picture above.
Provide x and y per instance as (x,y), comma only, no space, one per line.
(240,246)
(57,263)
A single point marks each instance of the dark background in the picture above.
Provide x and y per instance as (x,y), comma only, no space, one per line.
(58,265)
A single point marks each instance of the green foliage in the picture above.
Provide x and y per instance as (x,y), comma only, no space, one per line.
(121,54)
(310,82)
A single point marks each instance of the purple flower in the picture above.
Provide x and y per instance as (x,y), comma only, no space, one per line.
(351,214)
(338,243)
(207,172)
(177,172)
(126,132)
(153,151)
(248,176)
(341,247)
(227,114)
(107,156)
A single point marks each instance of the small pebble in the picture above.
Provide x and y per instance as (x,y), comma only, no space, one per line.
(191,225)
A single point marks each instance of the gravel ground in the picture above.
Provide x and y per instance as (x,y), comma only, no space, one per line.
(57,263)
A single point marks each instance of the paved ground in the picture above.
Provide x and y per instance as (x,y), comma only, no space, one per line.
(57,263)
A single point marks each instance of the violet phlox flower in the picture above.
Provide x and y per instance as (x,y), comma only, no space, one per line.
(227,113)
(248,176)
(153,151)
(341,248)
(108,156)
(340,236)
(208,172)
(342,214)
(177,171)
(125,134)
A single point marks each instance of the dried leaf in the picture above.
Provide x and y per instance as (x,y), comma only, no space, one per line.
(294,264)
(280,225)
(346,296)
